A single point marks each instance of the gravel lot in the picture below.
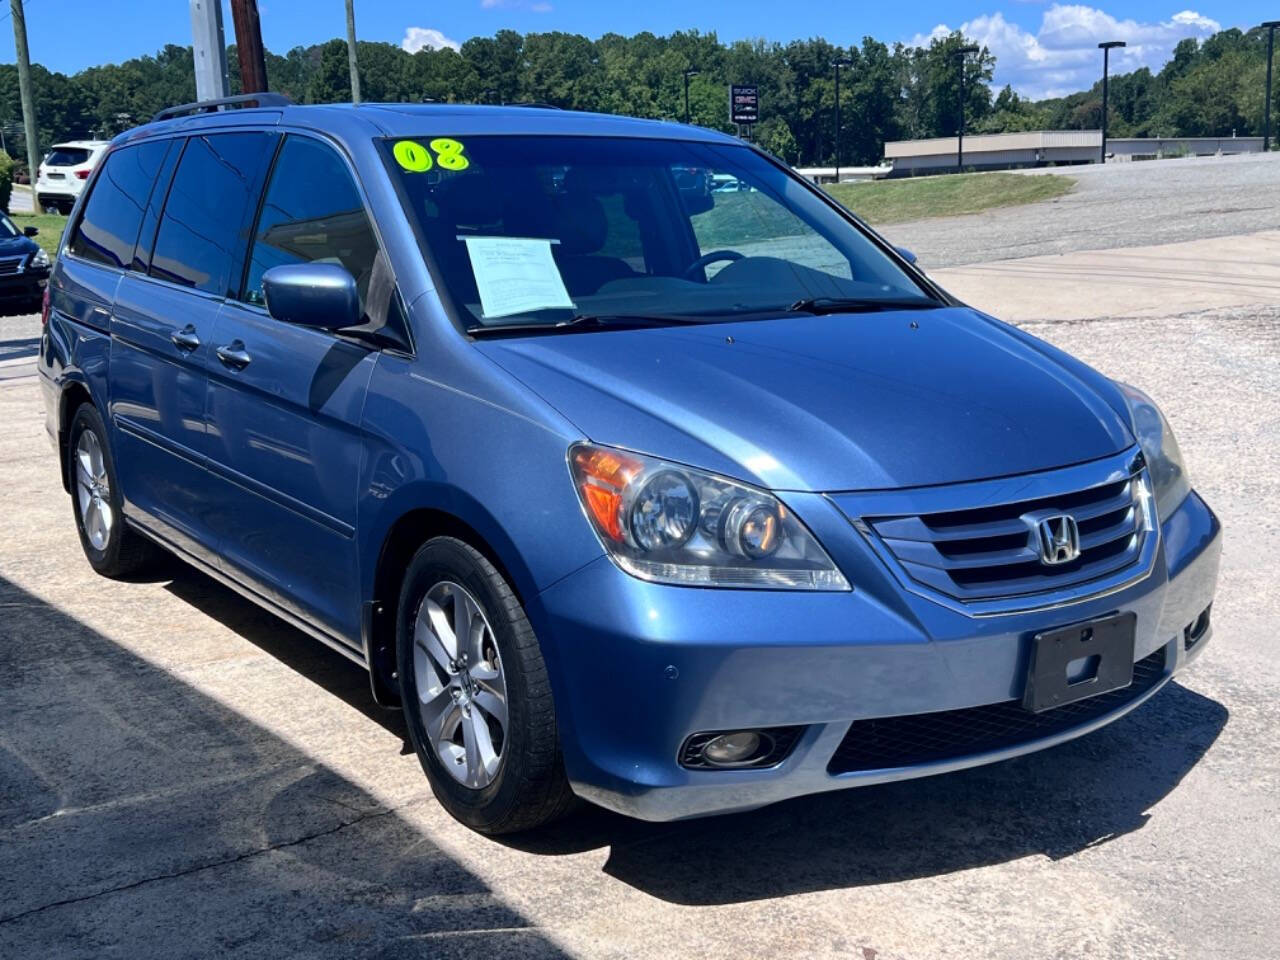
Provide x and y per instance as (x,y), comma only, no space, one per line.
(183,775)
(1119,205)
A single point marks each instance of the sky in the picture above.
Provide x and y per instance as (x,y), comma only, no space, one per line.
(1043,47)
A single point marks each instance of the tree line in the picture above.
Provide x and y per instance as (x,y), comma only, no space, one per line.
(1213,88)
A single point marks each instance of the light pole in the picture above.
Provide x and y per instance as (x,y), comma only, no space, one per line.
(1106,49)
(1266,110)
(962,53)
(691,72)
(838,64)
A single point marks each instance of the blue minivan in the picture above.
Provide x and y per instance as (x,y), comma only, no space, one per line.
(624,488)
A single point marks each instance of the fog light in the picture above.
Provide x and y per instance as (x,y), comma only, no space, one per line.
(732,748)
(739,749)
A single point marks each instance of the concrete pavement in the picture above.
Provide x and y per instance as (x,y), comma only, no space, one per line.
(1145,281)
(182,775)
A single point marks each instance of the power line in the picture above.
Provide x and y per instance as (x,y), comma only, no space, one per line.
(22,3)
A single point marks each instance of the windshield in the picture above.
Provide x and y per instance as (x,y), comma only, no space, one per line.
(537,231)
(7,227)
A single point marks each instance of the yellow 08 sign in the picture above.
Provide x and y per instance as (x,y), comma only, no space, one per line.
(449,155)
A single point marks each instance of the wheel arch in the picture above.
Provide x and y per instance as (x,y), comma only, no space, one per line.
(73,396)
(402,539)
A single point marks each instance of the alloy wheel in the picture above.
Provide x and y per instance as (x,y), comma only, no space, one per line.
(93,490)
(462,691)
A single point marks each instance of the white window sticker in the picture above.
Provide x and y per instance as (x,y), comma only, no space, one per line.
(516,275)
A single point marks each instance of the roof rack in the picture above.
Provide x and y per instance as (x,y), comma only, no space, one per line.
(210,106)
(537,104)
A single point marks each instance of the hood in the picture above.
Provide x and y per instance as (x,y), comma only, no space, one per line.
(16,246)
(829,403)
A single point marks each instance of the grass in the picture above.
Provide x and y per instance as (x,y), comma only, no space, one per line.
(50,225)
(894,201)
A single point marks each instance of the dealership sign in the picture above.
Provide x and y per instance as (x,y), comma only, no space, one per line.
(744,103)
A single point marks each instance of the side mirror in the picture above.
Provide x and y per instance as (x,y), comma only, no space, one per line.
(321,295)
(30,231)
(906,255)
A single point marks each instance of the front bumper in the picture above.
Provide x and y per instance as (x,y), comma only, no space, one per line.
(638,667)
(28,285)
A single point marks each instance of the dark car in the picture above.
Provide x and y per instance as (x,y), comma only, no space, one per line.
(24,267)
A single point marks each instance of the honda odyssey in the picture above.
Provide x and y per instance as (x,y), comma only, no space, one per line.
(675,499)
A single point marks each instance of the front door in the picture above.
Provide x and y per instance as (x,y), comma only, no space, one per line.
(285,402)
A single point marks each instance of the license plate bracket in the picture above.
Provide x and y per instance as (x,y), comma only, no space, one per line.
(1100,651)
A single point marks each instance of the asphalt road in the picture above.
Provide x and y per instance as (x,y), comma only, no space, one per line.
(1119,205)
(181,775)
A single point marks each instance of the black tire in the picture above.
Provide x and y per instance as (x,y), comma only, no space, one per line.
(530,787)
(125,553)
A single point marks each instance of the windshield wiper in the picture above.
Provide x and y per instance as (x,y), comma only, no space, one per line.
(822,305)
(584,321)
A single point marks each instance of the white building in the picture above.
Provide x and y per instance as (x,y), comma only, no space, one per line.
(994,151)
(1043,148)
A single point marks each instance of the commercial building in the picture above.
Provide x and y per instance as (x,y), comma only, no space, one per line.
(1044,148)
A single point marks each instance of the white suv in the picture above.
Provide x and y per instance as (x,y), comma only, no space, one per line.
(63,173)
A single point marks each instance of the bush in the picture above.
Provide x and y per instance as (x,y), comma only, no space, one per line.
(6,180)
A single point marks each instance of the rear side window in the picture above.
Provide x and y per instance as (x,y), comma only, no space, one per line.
(312,213)
(67,157)
(202,228)
(108,229)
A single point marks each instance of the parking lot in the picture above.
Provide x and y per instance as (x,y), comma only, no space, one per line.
(182,774)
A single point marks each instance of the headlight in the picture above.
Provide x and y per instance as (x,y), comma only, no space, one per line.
(38,260)
(672,524)
(1164,459)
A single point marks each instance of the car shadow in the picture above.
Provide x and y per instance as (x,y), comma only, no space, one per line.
(301,653)
(140,816)
(1055,804)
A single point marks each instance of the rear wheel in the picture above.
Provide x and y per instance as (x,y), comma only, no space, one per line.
(111,548)
(476,696)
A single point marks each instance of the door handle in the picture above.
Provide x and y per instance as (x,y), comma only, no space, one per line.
(185,339)
(233,355)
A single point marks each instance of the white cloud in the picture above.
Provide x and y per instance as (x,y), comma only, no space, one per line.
(425,38)
(1062,56)
(537,6)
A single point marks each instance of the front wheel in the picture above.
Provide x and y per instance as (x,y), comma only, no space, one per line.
(476,696)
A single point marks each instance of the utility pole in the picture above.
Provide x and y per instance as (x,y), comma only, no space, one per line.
(1266,110)
(253,64)
(210,48)
(351,51)
(691,72)
(24,91)
(962,53)
(838,64)
(1106,49)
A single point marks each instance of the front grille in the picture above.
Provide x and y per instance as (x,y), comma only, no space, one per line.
(889,742)
(993,552)
(10,265)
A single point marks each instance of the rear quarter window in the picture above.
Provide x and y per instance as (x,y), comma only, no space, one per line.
(108,229)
